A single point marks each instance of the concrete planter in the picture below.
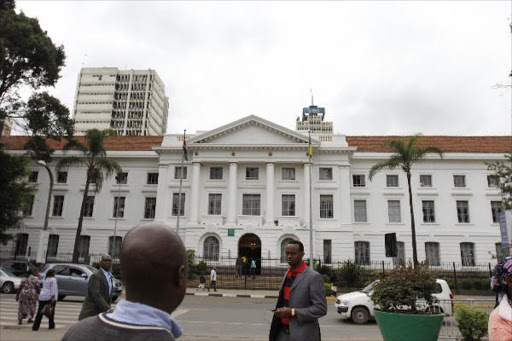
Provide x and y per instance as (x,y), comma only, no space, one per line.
(409,327)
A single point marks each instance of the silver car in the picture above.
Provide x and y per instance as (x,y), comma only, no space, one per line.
(9,282)
(72,279)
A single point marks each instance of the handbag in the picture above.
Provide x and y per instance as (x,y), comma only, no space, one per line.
(47,310)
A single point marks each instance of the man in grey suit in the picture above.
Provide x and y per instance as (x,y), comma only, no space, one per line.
(99,290)
(301,300)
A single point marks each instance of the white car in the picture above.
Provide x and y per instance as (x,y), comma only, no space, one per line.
(358,305)
(8,281)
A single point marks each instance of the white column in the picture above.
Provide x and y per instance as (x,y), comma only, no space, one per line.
(194,200)
(306,194)
(162,194)
(232,193)
(346,214)
(269,216)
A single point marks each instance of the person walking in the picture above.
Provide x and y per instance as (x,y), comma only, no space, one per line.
(99,290)
(27,298)
(301,300)
(253,268)
(500,320)
(213,279)
(202,282)
(47,297)
(154,267)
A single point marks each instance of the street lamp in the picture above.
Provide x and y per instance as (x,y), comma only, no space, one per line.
(42,163)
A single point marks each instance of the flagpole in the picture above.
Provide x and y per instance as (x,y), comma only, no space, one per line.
(181,184)
(310,150)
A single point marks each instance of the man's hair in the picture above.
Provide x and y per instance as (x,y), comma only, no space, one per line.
(296,242)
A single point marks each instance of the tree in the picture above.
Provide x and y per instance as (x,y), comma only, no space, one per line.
(503,174)
(405,156)
(15,191)
(98,167)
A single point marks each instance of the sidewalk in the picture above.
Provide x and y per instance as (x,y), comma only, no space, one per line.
(246,293)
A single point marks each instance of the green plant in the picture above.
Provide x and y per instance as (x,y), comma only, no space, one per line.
(351,274)
(399,290)
(472,323)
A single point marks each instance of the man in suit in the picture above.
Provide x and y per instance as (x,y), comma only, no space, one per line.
(99,290)
(301,300)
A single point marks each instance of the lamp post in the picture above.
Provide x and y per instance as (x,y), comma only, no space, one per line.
(47,216)
(118,179)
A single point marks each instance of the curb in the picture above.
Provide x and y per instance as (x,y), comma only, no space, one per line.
(204,294)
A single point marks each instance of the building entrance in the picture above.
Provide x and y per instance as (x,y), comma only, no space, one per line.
(249,246)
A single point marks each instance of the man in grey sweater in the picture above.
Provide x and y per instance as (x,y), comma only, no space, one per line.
(153,271)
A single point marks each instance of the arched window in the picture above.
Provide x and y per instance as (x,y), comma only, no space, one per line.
(283,248)
(211,249)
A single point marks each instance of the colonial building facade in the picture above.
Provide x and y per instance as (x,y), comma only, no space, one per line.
(248,187)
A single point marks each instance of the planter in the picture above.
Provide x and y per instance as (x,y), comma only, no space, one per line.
(409,327)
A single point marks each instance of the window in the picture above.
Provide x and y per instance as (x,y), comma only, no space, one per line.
(467,254)
(33,176)
(122,178)
(152,179)
(288,205)
(493,182)
(216,173)
(89,206)
(178,172)
(432,253)
(496,207)
(149,208)
(251,204)
(74,272)
(114,245)
(58,204)
(214,203)
(426,180)
(284,243)
(252,173)
(21,244)
(62,177)
(83,247)
(428,211)
(394,211)
(177,203)
(360,211)
(501,252)
(358,180)
(463,211)
(211,249)
(28,206)
(326,206)
(327,251)
(459,181)
(118,207)
(391,180)
(288,174)
(362,253)
(53,245)
(400,254)
(325,173)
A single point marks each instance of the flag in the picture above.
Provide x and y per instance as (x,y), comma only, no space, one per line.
(310,148)
(185,154)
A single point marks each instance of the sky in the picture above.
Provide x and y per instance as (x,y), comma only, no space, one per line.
(377,67)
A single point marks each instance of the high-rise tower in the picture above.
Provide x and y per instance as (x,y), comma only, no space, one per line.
(313,120)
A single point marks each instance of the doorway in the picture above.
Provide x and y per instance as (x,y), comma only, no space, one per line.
(249,246)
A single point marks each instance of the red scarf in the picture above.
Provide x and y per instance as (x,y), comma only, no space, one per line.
(290,277)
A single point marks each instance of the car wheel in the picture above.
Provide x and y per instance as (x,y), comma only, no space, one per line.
(114,299)
(8,287)
(61,297)
(360,315)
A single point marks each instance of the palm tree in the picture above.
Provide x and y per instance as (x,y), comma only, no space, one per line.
(98,167)
(405,156)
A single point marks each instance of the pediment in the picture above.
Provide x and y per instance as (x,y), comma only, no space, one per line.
(250,130)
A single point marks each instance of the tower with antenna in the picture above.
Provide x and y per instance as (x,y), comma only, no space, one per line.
(313,119)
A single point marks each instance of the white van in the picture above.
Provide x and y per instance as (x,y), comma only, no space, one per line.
(358,305)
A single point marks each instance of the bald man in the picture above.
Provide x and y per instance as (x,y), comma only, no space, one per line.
(154,273)
(99,290)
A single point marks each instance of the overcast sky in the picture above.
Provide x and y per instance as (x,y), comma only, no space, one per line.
(379,68)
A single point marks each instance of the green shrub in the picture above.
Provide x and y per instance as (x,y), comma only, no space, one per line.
(351,275)
(472,323)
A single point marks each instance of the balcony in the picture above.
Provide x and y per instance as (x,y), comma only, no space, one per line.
(254,220)
(288,221)
(212,220)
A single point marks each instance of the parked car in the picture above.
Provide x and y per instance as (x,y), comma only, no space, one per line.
(19,267)
(72,279)
(359,307)
(9,282)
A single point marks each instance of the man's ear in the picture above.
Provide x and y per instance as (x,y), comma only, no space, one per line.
(182,276)
(303,254)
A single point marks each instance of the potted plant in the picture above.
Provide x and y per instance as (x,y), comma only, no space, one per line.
(404,304)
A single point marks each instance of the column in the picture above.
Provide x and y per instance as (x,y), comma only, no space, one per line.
(306,194)
(232,193)
(194,200)
(269,217)
(346,214)
(162,194)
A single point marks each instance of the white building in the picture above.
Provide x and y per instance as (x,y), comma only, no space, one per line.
(246,190)
(131,102)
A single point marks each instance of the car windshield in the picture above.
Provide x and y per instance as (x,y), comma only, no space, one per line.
(93,269)
(368,289)
(8,273)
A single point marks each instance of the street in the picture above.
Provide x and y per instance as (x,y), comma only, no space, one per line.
(203,318)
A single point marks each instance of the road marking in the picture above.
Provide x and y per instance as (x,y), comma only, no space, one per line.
(179,312)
